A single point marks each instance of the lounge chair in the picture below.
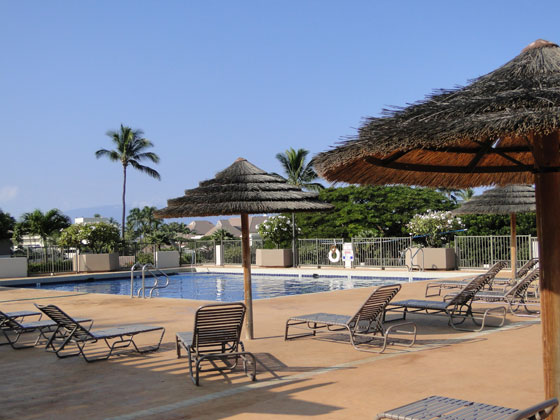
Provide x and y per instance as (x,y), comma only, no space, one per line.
(447,284)
(367,322)
(14,327)
(216,336)
(515,296)
(70,331)
(457,307)
(443,408)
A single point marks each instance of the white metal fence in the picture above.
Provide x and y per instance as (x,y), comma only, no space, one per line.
(232,250)
(471,251)
(380,252)
(484,251)
(315,252)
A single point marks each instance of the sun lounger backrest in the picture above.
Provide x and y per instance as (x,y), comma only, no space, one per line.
(374,306)
(520,289)
(468,292)
(527,267)
(63,320)
(497,267)
(218,324)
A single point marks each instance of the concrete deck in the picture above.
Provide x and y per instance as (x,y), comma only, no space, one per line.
(304,377)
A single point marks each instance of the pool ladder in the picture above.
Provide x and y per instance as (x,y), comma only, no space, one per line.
(150,269)
(413,254)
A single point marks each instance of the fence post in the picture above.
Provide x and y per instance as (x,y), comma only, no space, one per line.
(381,253)
(317,250)
(491,250)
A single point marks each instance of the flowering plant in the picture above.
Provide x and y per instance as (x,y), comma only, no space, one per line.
(277,229)
(434,227)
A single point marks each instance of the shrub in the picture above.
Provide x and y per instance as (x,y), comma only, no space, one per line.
(434,227)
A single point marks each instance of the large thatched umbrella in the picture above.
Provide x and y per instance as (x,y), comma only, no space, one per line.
(243,189)
(512,199)
(503,128)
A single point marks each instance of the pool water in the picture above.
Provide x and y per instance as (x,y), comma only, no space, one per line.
(227,287)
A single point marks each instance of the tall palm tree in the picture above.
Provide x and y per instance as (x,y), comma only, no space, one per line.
(130,150)
(298,172)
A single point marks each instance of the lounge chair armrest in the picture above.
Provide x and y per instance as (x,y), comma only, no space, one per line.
(537,412)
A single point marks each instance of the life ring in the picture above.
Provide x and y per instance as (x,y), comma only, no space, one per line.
(334,254)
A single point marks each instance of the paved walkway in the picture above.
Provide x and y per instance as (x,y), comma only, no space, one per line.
(305,377)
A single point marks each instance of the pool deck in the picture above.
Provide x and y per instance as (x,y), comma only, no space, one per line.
(323,377)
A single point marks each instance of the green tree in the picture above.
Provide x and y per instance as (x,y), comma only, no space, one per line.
(44,225)
(7,224)
(219,235)
(298,172)
(382,211)
(168,234)
(498,224)
(142,223)
(465,195)
(130,150)
(97,237)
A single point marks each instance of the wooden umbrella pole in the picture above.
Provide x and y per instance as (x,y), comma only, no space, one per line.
(547,184)
(512,219)
(246,262)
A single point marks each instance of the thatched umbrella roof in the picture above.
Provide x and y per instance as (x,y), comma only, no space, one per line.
(481,134)
(242,188)
(501,200)
(503,128)
(512,199)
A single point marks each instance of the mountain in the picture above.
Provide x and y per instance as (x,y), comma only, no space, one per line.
(115,211)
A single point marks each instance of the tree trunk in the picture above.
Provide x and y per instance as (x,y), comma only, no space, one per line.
(547,184)
(123,202)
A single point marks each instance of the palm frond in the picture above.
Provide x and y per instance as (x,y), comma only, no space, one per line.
(111,154)
(146,169)
(149,156)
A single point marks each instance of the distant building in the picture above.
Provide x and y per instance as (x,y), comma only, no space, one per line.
(233,226)
(227,226)
(90,220)
(199,228)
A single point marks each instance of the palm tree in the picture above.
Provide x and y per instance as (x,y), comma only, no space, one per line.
(43,225)
(130,150)
(141,222)
(465,195)
(299,173)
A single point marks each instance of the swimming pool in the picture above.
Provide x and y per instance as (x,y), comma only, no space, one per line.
(228,287)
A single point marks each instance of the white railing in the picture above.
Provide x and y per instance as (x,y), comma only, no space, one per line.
(484,251)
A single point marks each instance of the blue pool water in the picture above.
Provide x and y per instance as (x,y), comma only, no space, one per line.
(228,287)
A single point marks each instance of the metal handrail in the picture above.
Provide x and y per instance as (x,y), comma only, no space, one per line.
(156,284)
(132,270)
(412,265)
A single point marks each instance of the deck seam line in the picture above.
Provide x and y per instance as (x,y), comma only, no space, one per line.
(304,375)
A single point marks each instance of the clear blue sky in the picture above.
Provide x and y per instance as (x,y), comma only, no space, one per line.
(210,81)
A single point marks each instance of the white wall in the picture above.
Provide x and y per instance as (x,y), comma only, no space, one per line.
(167,259)
(13,267)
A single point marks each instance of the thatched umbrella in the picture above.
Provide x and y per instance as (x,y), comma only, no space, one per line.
(503,128)
(511,200)
(243,189)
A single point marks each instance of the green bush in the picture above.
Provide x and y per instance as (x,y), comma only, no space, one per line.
(145,258)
